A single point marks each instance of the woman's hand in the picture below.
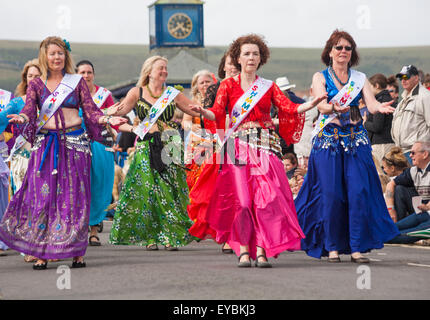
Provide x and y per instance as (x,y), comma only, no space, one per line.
(204,112)
(117,121)
(338,108)
(319,99)
(386,107)
(113,110)
(17,119)
(424,207)
(197,108)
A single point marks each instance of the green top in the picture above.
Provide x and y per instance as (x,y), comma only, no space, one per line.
(143,107)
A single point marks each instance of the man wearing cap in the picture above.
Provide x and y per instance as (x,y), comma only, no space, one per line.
(411,119)
(286,87)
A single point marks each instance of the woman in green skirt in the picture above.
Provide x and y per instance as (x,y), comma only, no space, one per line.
(152,206)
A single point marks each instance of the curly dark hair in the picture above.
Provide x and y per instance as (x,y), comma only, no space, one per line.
(236,47)
(333,40)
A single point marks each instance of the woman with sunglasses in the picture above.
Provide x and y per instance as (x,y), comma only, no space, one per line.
(341,207)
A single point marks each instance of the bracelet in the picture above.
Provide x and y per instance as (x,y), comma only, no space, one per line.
(24,118)
(107,120)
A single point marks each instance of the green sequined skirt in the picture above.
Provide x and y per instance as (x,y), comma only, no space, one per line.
(152,206)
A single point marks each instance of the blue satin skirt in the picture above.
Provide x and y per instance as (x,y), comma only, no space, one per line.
(102,176)
(341,206)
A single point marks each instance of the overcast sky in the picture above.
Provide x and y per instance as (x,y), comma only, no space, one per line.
(284,23)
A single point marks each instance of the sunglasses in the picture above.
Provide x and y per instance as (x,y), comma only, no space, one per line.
(340,48)
(412,153)
(404,77)
(391,91)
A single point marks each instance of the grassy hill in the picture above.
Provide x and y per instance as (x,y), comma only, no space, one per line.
(118,63)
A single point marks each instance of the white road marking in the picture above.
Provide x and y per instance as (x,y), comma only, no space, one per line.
(418,265)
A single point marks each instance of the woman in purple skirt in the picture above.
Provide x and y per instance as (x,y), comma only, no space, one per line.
(48,217)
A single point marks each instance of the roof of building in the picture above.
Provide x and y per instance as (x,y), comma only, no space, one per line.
(181,68)
(176,2)
(184,65)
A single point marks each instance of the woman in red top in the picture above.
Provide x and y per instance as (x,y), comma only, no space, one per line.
(250,203)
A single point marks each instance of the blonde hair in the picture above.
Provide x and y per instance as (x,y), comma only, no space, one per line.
(43,59)
(194,90)
(146,70)
(395,157)
(383,178)
(21,88)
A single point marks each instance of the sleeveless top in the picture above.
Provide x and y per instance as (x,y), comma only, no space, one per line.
(332,90)
(143,107)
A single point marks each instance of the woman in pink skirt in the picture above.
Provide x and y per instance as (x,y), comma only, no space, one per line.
(251,206)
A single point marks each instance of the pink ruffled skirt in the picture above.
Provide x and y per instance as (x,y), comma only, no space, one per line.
(252,203)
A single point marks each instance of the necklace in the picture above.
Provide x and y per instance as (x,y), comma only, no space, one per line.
(152,95)
(335,75)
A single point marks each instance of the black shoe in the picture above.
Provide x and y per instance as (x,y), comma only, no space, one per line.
(245,264)
(78,264)
(42,266)
(360,260)
(264,264)
(170,248)
(94,243)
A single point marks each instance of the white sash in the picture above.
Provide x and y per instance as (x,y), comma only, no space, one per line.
(50,106)
(155,112)
(344,97)
(245,104)
(100,97)
(4,98)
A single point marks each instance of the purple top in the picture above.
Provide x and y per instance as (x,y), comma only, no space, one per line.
(37,93)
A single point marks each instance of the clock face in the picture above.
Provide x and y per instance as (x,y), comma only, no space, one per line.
(180,26)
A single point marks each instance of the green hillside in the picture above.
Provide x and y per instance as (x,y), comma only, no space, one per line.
(117,63)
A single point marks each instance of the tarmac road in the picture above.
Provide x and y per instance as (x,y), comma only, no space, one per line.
(201,272)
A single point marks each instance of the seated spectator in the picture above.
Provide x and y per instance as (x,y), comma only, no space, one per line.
(394,163)
(296,181)
(419,177)
(290,164)
(383,177)
(426,81)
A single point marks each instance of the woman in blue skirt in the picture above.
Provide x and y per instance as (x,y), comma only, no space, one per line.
(340,206)
(102,161)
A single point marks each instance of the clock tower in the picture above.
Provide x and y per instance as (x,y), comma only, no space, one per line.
(176,23)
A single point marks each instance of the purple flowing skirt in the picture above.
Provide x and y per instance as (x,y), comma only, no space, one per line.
(48,217)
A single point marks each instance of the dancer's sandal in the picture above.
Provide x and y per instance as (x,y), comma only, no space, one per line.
(225,250)
(96,242)
(152,247)
(78,264)
(170,248)
(40,266)
(334,259)
(244,264)
(360,260)
(262,264)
